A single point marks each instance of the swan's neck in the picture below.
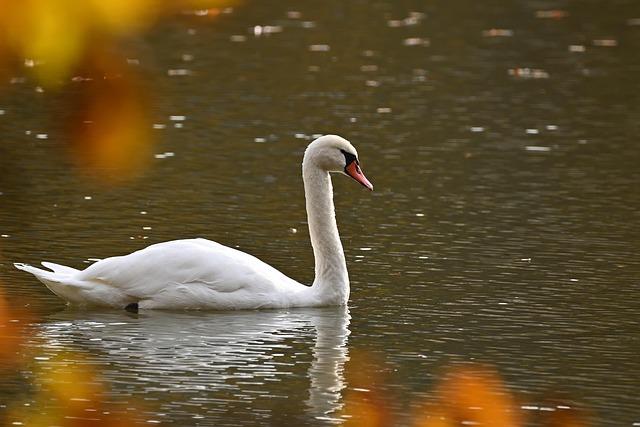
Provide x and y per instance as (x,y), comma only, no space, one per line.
(331,284)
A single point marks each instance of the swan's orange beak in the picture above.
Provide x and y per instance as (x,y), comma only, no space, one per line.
(354,171)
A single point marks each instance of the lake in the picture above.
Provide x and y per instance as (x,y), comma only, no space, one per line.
(504,229)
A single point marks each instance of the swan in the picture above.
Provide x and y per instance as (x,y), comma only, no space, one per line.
(202,274)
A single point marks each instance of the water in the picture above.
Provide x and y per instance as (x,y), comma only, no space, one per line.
(503,228)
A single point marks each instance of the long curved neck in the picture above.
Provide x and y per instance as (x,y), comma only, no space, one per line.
(331,284)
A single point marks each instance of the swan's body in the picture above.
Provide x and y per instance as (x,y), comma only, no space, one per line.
(201,274)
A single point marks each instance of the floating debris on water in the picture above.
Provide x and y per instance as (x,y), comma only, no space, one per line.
(88,197)
(177,118)
(259,139)
(552,127)
(497,32)
(238,38)
(266,30)
(179,72)
(293,230)
(187,57)
(158,126)
(577,48)
(476,129)
(372,83)
(2,112)
(319,48)
(294,14)
(532,131)
(414,18)
(42,136)
(161,156)
(178,125)
(537,148)
(383,110)
(633,22)
(528,73)
(552,14)
(368,68)
(605,42)
(416,41)
(419,75)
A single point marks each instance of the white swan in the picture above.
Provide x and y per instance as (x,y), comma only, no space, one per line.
(201,274)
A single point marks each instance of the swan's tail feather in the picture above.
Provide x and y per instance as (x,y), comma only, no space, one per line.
(65,283)
(38,272)
(60,281)
(59,269)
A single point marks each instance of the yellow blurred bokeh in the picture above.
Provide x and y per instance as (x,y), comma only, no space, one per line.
(11,324)
(69,45)
(466,394)
(470,393)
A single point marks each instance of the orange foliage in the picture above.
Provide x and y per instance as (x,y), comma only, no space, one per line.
(472,394)
(466,395)
(10,335)
(366,404)
(109,131)
(64,41)
(70,394)
(57,35)
(68,379)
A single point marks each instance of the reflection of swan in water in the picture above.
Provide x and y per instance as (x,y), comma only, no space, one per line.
(215,364)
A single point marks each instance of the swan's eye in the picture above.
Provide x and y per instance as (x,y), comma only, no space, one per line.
(349,158)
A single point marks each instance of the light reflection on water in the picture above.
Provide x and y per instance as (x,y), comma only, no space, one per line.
(212,365)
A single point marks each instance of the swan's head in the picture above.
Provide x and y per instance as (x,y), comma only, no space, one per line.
(333,153)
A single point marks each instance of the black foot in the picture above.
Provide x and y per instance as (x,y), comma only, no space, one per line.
(132,308)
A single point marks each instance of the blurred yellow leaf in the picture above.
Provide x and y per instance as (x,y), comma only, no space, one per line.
(49,32)
(125,16)
(471,394)
(10,334)
(110,131)
(56,39)
(365,403)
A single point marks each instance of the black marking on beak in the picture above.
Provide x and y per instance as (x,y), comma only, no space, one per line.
(349,158)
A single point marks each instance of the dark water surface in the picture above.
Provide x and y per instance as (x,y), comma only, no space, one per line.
(504,228)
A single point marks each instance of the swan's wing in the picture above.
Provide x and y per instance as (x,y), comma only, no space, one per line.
(195,265)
